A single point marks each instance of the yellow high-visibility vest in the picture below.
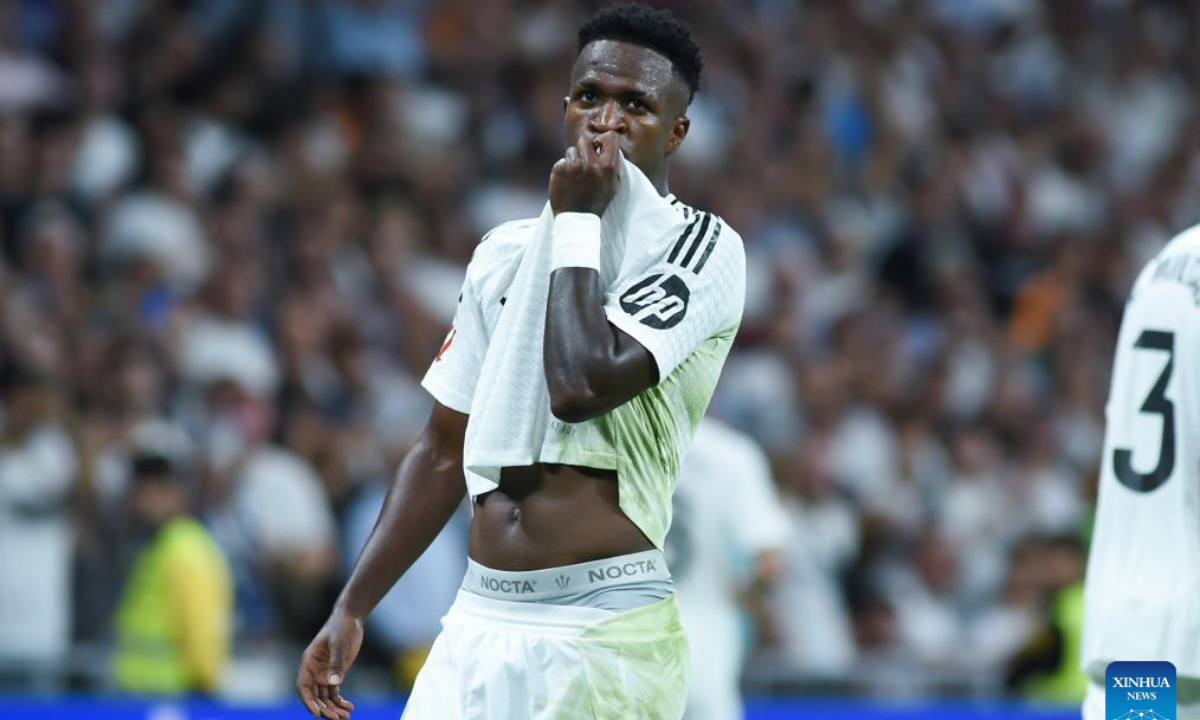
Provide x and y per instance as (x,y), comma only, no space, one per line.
(175,616)
(1065,684)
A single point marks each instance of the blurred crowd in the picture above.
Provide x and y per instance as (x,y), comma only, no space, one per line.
(233,234)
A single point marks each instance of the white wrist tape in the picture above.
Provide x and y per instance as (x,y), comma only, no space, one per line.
(576,241)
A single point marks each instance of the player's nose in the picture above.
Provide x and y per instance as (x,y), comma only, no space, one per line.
(607,118)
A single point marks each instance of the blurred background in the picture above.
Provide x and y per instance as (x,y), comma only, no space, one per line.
(233,234)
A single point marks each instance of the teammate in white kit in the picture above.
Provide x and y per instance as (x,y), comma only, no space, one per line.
(728,533)
(1142,591)
(567,610)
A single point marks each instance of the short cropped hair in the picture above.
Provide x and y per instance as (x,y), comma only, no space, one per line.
(653,29)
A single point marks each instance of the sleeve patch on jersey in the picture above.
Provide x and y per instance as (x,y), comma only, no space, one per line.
(660,301)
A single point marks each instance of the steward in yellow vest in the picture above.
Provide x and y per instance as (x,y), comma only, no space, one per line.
(175,616)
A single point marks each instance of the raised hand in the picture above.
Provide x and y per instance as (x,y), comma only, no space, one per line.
(585,179)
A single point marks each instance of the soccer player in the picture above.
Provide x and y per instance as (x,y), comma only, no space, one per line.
(567,609)
(1142,588)
(727,537)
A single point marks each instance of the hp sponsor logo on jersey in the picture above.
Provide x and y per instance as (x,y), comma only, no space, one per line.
(659,301)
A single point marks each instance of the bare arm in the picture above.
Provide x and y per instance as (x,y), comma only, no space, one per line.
(591,365)
(424,495)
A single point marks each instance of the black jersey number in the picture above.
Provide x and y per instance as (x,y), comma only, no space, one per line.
(1156,404)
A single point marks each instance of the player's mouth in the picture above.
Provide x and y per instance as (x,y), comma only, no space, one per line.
(597,146)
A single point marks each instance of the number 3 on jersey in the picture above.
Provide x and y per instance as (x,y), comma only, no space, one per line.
(1156,404)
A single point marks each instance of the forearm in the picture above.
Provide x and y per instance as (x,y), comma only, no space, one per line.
(591,366)
(579,342)
(424,495)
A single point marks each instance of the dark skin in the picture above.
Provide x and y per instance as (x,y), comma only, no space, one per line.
(622,97)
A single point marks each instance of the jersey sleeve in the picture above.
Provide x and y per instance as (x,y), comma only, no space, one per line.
(694,291)
(455,369)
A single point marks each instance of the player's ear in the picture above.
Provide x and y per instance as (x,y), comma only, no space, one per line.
(679,131)
(566,102)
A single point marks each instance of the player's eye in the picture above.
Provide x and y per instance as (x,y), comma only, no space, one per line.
(637,105)
(588,96)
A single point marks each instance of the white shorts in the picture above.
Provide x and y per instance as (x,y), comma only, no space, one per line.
(504,660)
(1093,706)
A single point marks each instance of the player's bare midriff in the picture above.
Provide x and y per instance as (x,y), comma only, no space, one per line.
(546,516)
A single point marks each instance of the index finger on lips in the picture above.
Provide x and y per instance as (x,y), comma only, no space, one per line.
(608,149)
(583,147)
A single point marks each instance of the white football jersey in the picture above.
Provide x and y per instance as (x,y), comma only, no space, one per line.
(685,310)
(1142,593)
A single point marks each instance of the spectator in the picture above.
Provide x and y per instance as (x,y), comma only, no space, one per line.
(813,626)
(272,515)
(37,472)
(174,621)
